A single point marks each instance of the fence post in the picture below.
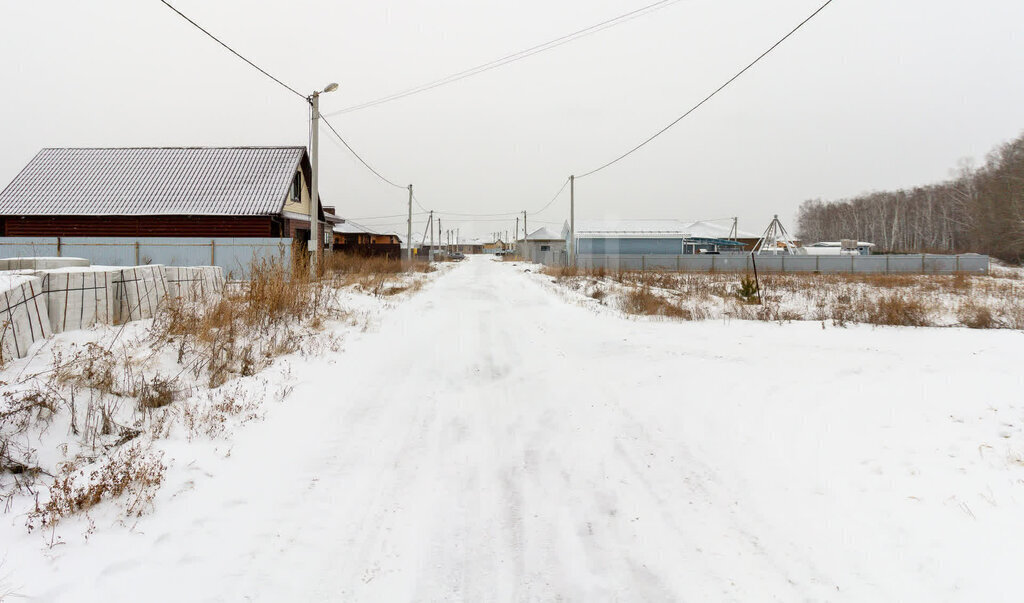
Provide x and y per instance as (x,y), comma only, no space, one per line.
(783,268)
(643,263)
(712,263)
(58,247)
(887,263)
(817,263)
(922,263)
(678,257)
(853,267)
(213,252)
(136,253)
(957,262)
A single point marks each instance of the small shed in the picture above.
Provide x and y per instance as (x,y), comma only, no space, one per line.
(543,246)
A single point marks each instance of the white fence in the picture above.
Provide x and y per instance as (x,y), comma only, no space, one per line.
(233,255)
(828,264)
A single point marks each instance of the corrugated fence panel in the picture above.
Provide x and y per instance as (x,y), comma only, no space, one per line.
(234,255)
(21,247)
(861,264)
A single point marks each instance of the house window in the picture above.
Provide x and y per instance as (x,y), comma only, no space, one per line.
(545,247)
(296,190)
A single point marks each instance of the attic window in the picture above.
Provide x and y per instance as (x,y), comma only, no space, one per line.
(296,190)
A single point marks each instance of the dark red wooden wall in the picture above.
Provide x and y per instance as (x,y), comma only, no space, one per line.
(140,226)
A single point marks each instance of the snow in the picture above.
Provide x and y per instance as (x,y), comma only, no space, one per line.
(15,278)
(492,438)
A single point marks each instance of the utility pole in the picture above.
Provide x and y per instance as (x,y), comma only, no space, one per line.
(314,191)
(408,244)
(314,182)
(515,242)
(572,220)
(431,235)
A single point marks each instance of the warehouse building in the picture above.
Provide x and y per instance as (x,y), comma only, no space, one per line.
(654,237)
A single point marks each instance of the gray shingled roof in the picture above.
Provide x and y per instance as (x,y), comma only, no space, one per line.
(233,181)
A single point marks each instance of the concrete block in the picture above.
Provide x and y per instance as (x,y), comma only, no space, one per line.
(23,316)
(194,283)
(140,291)
(78,298)
(44,263)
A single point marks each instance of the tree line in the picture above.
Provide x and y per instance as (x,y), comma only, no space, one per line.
(981,210)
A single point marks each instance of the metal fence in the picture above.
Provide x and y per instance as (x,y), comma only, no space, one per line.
(828,264)
(233,255)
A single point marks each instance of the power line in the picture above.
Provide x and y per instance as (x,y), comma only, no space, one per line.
(357,156)
(418,204)
(555,198)
(422,213)
(511,58)
(710,96)
(232,51)
(451,213)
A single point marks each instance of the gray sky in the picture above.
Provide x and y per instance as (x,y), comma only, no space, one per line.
(872,94)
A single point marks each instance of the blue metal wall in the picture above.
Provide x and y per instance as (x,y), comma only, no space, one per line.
(631,246)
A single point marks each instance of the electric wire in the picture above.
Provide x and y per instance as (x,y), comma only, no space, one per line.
(710,96)
(555,198)
(511,58)
(421,213)
(232,50)
(357,156)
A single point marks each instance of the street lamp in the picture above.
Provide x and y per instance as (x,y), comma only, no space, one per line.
(314,191)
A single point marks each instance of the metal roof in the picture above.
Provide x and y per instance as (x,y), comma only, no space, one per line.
(224,181)
(652,229)
(544,234)
(629,229)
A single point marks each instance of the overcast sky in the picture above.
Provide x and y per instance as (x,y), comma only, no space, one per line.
(872,94)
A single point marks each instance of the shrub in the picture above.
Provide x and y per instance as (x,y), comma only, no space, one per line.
(976,316)
(895,310)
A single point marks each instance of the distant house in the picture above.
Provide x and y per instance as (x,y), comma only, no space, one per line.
(161,192)
(651,237)
(350,237)
(543,246)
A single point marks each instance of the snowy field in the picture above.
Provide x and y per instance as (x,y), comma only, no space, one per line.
(494,437)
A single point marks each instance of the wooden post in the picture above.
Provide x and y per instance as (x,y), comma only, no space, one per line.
(887,263)
(678,258)
(922,263)
(956,256)
(213,252)
(136,253)
(643,263)
(58,247)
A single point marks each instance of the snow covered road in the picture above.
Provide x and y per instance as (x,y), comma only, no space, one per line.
(494,440)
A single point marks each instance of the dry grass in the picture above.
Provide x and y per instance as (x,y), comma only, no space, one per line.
(133,472)
(643,301)
(973,301)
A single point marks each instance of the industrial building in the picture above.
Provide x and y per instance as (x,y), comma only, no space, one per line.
(654,237)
